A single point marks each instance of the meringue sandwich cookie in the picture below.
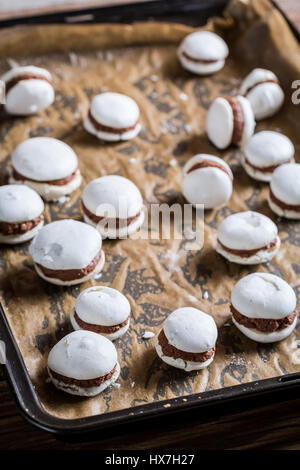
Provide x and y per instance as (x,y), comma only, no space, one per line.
(188,339)
(230,121)
(263,307)
(261,87)
(29,90)
(248,238)
(207,180)
(264,152)
(21,213)
(83,363)
(67,252)
(203,52)
(113,117)
(102,310)
(284,193)
(47,165)
(114,205)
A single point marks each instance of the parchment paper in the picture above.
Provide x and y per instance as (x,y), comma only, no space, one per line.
(157,277)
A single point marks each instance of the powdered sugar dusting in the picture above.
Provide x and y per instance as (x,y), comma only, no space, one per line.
(172,259)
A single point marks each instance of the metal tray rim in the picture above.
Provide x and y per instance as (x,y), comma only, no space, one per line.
(33,411)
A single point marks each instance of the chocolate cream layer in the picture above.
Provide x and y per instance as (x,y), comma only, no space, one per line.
(199,61)
(283,205)
(59,182)
(271,80)
(71,274)
(208,164)
(99,328)
(248,253)
(170,351)
(238,120)
(112,130)
(18,228)
(266,169)
(119,223)
(262,324)
(83,383)
(25,76)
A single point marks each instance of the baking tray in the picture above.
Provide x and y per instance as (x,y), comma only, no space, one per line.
(277,388)
(190,11)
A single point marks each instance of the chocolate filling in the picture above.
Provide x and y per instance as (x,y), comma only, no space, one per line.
(238,120)
(8,228)
(119,223)
(248,253)
(71,274)
(265,169)
(274,80)
(99,328)
(199,61)
(208,164)
(262,324)
(283,205)
(112,130)
(60,182)
(26,76)
(83,383)
(170,351)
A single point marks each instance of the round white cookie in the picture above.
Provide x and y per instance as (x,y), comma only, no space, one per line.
(266,149)
(190,330)
(112,197)
(43,159)
(83,355)
(266,97)
(210,186)
(203,52)
(30,95)
(247,231)
(264,296)
(102,306)
(67,245)
(220,122)
(285,186)
(19,204)
(115,111)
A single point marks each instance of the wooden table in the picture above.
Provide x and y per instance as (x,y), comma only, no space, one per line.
(292,10)
(272,426)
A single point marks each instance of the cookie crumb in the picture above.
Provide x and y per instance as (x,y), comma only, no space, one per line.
(63,199)
(187,128)
(183,96)
(148,335)
(73,59)
(97,276)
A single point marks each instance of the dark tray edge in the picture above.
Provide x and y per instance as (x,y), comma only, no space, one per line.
(15,369)
(131,12)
